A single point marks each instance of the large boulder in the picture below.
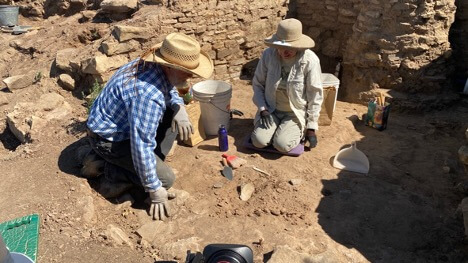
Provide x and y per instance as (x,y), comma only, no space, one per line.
(66,82)
(119,6)
(125,33)
(19,82)
(29,118)
(112,47)
(102,64)
(66,60)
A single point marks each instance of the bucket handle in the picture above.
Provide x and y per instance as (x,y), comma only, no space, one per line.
(219,108)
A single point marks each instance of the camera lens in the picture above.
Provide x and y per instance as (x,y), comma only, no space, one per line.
(226,256)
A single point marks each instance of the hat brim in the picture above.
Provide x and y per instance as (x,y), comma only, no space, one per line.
(204,70)
(304,42)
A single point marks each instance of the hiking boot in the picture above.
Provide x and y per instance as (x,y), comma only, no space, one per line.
(109,189)
(93,164)
(82,152)
(93,169)
(114,182)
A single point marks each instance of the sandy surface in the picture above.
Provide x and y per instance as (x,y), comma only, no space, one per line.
(404,210)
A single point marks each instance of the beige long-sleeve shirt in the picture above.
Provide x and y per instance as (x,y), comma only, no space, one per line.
(304,86)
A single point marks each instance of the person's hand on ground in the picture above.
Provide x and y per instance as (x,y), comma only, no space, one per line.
(182,122)
(159,208)
(311,137)
(266,119)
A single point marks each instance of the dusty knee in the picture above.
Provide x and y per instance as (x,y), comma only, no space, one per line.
(284,145)
(165,174)
(259,141)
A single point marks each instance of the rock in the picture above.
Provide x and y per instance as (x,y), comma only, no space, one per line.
(102,64)
(463,154)
(87,15)
(149,230)
(111,48)
(118,236)
(295,182)
(143,217)
(246,191)
(155,2)
(145,245)
(3,99)
(218,185)
(18,128)
(66,81)
(19,82)
(66,60)
(119,6)
(37,123)
(49,102)
(181,196)
(179,248)
(28,119)
(89,214)
(125,33)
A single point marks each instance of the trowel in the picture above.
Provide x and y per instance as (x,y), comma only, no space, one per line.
(227,170)
(351,159)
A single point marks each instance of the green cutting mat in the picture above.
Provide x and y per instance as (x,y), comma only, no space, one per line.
(22,235)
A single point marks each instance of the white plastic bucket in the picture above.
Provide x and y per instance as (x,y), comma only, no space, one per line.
(215,104)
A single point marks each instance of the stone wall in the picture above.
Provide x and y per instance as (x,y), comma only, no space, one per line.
(400,45)
(390,44)
(232,32)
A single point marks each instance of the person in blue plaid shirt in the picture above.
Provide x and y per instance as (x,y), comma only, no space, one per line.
(135,120)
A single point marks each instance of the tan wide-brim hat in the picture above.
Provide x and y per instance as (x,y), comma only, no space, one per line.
(182,52)
(289,35)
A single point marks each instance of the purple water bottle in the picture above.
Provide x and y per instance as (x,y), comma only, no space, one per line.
(222,138)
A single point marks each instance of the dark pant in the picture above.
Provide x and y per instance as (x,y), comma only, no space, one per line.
(119,164)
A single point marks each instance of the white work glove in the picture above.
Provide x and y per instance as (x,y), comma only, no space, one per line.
(182,122)
(159,208)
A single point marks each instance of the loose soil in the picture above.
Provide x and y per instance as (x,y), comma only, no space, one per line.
(404,210)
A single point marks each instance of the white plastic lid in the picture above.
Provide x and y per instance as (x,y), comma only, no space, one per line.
(329,79)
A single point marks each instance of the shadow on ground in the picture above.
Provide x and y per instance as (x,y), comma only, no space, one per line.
(69,164)
(404,210)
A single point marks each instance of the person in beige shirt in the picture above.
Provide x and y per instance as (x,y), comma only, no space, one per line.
(287,89)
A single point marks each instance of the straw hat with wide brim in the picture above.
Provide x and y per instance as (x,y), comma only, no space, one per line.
(182,52)
(289,35)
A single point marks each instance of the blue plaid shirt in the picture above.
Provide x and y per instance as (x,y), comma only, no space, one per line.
(132,107)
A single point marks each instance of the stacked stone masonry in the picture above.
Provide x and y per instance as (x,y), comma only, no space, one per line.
(231,32)
(391,44)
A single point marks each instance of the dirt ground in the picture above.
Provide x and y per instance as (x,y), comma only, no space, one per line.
(404,210)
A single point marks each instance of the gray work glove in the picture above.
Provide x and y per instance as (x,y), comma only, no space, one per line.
(182,122)
(266,119)
(159,208)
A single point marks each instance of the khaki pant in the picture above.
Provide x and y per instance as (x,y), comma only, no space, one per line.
(284,134)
